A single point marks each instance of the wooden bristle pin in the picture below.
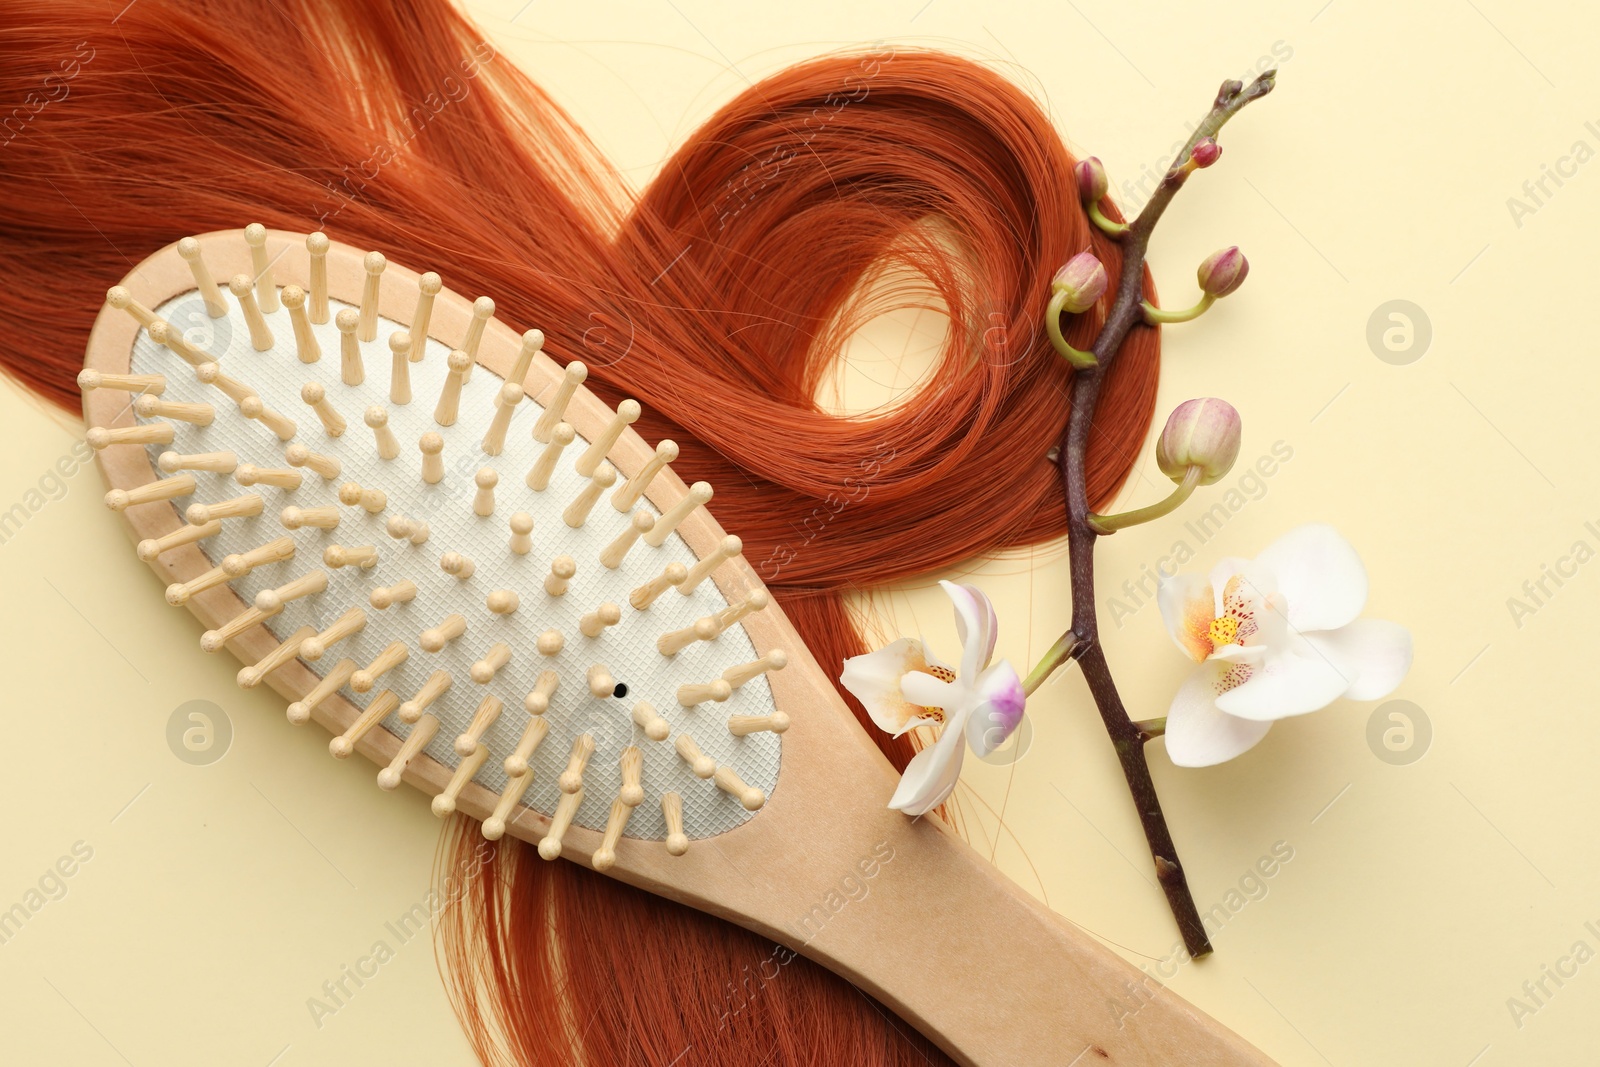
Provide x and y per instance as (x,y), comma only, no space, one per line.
(378,419)
(294,518)
(445,803)
(700,692)
(253,407)
(316,396)
(377,709)
(428,287)
(400,368)
(402,528)
(374,264)
(701,764)
(153,384)
(775,659)
(550,643)
(255,235)
(300,711)
(483,502)
(630,491)
(505,405)
(242,563)
(577,512)
(393,654)
(310,583)
(631,763)
(363,556)
(149,433)
(235,390)
(279,477)
(325,467)
(571,779)
(371,501)
(605,857)
(456,565)
(349,624)
(494,827)
(672,812)
(653,725)
(757,600)
(626,415)
(503,602)
(537,702)
(431,445)
(213,462)
(670,644)
(571,378)
(152,547)
(521,533)
(180,593)
(600,681)
(539,474)
(436,686)
(742,725)
(317,306)
(150,492)
(245,294)
(532,738)
(352,371)
(532,343)
(452,627)
(642,597)
(305,342)
(699,493)
(165,334)
(482,312)
(562,568)
(250,677)
(488,711)
(727,780)
(216,640)
(594,623)
(484,670)
(238,507)
(448,409)
(560,823)
(189,249)
(386,596)
(150,407)
(391,776)
(120,298)
(612,555)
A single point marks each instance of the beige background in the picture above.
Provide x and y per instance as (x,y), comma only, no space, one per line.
(1420,897)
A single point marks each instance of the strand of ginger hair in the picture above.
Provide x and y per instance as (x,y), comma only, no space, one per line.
(736,276)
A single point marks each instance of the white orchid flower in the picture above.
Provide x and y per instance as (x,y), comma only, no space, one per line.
(1274,636)
(904,686)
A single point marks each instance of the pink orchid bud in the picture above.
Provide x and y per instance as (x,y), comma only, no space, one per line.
(1092,181)
(1205,152)
(1200,433)
(1223,272)
(1084,281)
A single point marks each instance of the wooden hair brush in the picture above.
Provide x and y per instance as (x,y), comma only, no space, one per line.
(431,539)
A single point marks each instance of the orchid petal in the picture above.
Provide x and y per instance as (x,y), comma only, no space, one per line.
(1187,607)
(999,709)
(1293,681)
(1320,576)
(874,679)
(1200,735)
(927,691)
(1255,580)
(975,625)
(932,774)
(1374,653)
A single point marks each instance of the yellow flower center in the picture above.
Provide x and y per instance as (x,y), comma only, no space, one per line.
(944,674)
(1224,628)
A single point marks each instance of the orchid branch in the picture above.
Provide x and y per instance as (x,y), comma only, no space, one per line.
(1127,736)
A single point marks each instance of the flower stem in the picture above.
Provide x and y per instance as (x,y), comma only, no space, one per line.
(1127,311)
(1060,652)
(1109,228)
(1153,314)
(1152,728)
(1052,325)
(1109,524)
